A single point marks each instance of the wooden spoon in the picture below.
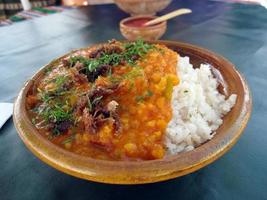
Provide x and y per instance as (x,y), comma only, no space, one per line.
(168,16)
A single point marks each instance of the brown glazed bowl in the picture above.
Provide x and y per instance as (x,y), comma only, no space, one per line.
(153,32)
(142,7)
(137,172)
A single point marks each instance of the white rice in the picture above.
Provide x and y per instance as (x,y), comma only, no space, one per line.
(197,107)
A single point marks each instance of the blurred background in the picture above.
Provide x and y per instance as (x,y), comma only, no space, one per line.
(11,9)
(19,10)
(34,32)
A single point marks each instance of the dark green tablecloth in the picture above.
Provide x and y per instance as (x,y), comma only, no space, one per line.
(238,32)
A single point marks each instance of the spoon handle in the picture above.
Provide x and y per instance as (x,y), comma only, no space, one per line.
(170,15)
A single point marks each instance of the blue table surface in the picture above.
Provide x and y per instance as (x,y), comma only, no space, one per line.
(236,31)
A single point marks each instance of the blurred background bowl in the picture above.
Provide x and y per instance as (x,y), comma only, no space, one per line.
(142,7)
(153,32)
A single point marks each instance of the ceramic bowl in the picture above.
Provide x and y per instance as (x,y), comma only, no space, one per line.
(142,7)
(153,32)
(137,172)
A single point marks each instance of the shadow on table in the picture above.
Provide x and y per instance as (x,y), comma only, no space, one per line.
(186,187)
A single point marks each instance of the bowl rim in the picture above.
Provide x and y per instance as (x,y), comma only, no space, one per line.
(107,171)
(130,1)
(156,26)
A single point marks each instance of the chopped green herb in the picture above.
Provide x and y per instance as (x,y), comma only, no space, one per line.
(34,121)
(133,51)
(97,99)
(56,132)
(68,139)
(56,113)
(139,98)
(136,49)
(110,72)
(45,97)
(131,86)
(60,80)
(111,59)
(161,51)
(48,70)
(73,60)
(143,97)
(92,103)
(149,93)
(50,137)
(35,109)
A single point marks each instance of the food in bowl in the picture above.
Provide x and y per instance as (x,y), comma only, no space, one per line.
(127,101)
(132,28)
(197,107)
(138,21)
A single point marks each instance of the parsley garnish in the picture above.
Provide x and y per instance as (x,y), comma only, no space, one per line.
(144,96)
(56,113)
(68,139)
(132,52)
(48,70)
(92,103)
(60,80)
(136,49)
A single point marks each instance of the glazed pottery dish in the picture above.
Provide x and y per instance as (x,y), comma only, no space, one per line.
(142,7)
(133,112)
(133,28)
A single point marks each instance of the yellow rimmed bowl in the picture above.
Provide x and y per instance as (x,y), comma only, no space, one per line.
(137,172)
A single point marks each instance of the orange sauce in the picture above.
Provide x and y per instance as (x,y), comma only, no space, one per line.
(139,22)
(144,111)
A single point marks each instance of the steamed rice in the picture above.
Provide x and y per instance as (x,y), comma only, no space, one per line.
(197,107)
